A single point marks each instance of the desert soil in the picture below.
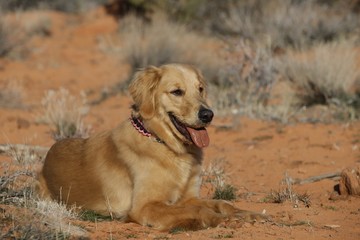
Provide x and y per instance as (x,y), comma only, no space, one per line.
(257,155)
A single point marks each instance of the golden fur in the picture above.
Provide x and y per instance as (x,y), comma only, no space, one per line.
(134,177)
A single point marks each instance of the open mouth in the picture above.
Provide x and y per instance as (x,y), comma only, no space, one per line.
(198,136)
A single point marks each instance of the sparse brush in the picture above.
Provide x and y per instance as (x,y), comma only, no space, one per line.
(12,38)
(11,92)
(286,193)
(277,23)
(65,113)
(243,85)
(325,76)
(74,6)
(215,175)
(40,222)
(24,157)
(11,192)
(17,179)
(36,25)
(29,217)
(149,44)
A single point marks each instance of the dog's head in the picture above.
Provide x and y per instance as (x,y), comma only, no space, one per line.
(175,96)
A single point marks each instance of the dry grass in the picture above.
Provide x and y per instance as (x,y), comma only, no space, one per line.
(326,75)
(243,85)
(278,23)
(74,6)
(216,180)
(242,74)
(65,113)
(161,42)
(11,94)
(301,24)
(23,215)
(36,23)
(17,30)
(286,193)
(12,38)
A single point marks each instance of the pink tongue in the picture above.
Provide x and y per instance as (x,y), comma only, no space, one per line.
(199,136)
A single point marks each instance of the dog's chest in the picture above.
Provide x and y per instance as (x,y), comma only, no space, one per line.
(186,179)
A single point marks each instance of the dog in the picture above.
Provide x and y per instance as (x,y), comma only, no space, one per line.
(147,170)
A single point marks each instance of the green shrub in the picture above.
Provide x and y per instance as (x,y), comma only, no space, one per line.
(227,192)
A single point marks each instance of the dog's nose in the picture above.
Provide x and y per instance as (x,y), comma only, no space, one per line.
(205,115)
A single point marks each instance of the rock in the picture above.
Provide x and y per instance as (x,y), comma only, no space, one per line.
(350,181)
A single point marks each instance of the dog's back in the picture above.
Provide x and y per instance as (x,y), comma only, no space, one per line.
(75,171)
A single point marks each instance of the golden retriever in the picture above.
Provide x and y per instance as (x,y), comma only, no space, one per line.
(147,170)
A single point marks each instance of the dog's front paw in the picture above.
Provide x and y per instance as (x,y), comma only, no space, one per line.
(249,216)
(242,217)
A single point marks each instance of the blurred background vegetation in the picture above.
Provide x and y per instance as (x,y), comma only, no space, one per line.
(278,59)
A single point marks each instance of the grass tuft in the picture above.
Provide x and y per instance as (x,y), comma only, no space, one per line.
(27,217)
(65,113)
(215,178)
(286,193)
(227,192)
(93,216)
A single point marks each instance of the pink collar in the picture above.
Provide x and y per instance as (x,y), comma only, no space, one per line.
(139,126)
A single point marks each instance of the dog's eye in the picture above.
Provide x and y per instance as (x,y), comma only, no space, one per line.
(177,92)
(201,89)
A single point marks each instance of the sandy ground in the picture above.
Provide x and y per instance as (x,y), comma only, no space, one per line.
(256,155)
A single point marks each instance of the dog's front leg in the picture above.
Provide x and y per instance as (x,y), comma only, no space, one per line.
(226,209)
(164,217)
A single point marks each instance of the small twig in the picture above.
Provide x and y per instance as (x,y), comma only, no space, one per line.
(5,149)
(317,178)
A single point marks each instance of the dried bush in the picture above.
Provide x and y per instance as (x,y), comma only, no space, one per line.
(326,75)
(11,38)
(27,217)
(286,193)
(216,180)
(280,23)
(31,217)
(243,84)
(298,24)
(38,24)
(16,32)
(65,113)
(73,6)
(11,94)
(161,42)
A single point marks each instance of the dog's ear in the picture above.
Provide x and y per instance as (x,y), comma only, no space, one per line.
(142,89)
